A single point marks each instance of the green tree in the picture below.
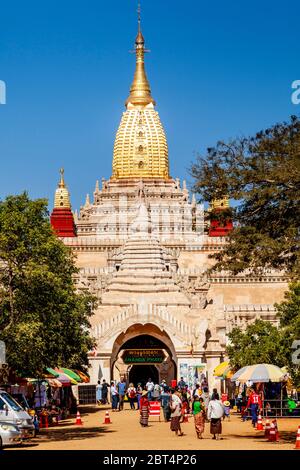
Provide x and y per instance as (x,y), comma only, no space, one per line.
(262,175)
(260,342)
(289,316)
(44,321)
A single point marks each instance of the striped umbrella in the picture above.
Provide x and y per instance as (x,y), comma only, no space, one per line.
(65,379)
(84,377)
(222,369)
(260,373)
(71,374)
(236,376)
(52,372)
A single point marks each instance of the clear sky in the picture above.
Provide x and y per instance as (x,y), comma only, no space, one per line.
(217,70)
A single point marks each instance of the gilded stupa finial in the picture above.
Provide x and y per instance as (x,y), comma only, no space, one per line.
(62,197)
(62,180)
(140,92)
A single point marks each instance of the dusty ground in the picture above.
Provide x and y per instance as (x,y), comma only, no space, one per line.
(125,432)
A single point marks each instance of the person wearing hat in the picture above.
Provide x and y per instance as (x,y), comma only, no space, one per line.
(144,409)
(226,406)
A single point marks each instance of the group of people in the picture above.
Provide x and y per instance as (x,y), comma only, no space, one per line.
(175,402)
(204,407)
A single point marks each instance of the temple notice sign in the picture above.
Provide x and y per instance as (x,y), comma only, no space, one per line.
(143,356)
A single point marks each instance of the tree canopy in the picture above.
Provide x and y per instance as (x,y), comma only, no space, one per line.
(260,342)
(262,175)
(44,321)
(289,316)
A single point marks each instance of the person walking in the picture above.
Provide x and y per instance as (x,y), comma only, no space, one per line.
(121,391)
(163,385)
(197,391)
(165,399)
(131,393)
(255,404)
(215,413)
(105,392)
(139,391)
(156,392)
(205,396)
(150,388)
(175,405)
(181,384)
(198,409)
(144,411)
(114,396)
(99,392)
(226,406)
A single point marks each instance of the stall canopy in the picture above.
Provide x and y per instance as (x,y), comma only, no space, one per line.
(237,374)
(65,379)
(84,377)
(51,372)
(259,373)
(72,374)
(223,370)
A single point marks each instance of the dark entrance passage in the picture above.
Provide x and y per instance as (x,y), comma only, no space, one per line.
(141,373)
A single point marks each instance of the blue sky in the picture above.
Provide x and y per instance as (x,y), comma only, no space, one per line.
(217,70)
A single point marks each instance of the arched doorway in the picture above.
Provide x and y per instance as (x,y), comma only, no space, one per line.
(141,374)
(143,352)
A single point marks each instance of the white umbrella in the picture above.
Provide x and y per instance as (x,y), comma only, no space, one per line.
(237,374)
(260,373)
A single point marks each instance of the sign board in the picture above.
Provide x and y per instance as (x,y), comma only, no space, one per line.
(193,372)
(143,356)
(154,409)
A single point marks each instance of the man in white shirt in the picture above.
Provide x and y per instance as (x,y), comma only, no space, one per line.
(214,413)
(150,388)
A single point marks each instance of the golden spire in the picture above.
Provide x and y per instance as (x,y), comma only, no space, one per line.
(140,149)
(62,197)
(140,93)
(220,203)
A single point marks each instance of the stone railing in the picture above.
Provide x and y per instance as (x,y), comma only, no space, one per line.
(250,308)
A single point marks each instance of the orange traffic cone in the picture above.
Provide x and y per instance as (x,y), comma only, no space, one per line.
(259,425)
(78,419)
(297,446)
(272,433)
(107,418)
(276,429)
(267,428)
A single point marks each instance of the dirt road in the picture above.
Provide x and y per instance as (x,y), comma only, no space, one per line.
(125,432)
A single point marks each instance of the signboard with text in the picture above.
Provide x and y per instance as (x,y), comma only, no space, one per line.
(143,356)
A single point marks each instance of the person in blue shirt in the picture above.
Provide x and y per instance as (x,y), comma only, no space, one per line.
(121,387)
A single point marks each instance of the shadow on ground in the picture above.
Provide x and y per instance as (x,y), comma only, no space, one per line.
(78,433)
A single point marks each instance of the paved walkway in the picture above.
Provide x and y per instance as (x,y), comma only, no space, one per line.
(125,432)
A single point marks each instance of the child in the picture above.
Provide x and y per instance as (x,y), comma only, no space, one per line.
(268,410)
(226,406)
(244,409)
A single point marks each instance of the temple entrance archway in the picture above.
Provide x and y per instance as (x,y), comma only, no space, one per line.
(143,352)
(141,374)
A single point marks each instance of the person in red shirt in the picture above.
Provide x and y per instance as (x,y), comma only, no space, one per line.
(255,404)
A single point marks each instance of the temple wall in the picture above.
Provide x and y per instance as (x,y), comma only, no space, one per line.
(91,259)
(193,259)
(266,293)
